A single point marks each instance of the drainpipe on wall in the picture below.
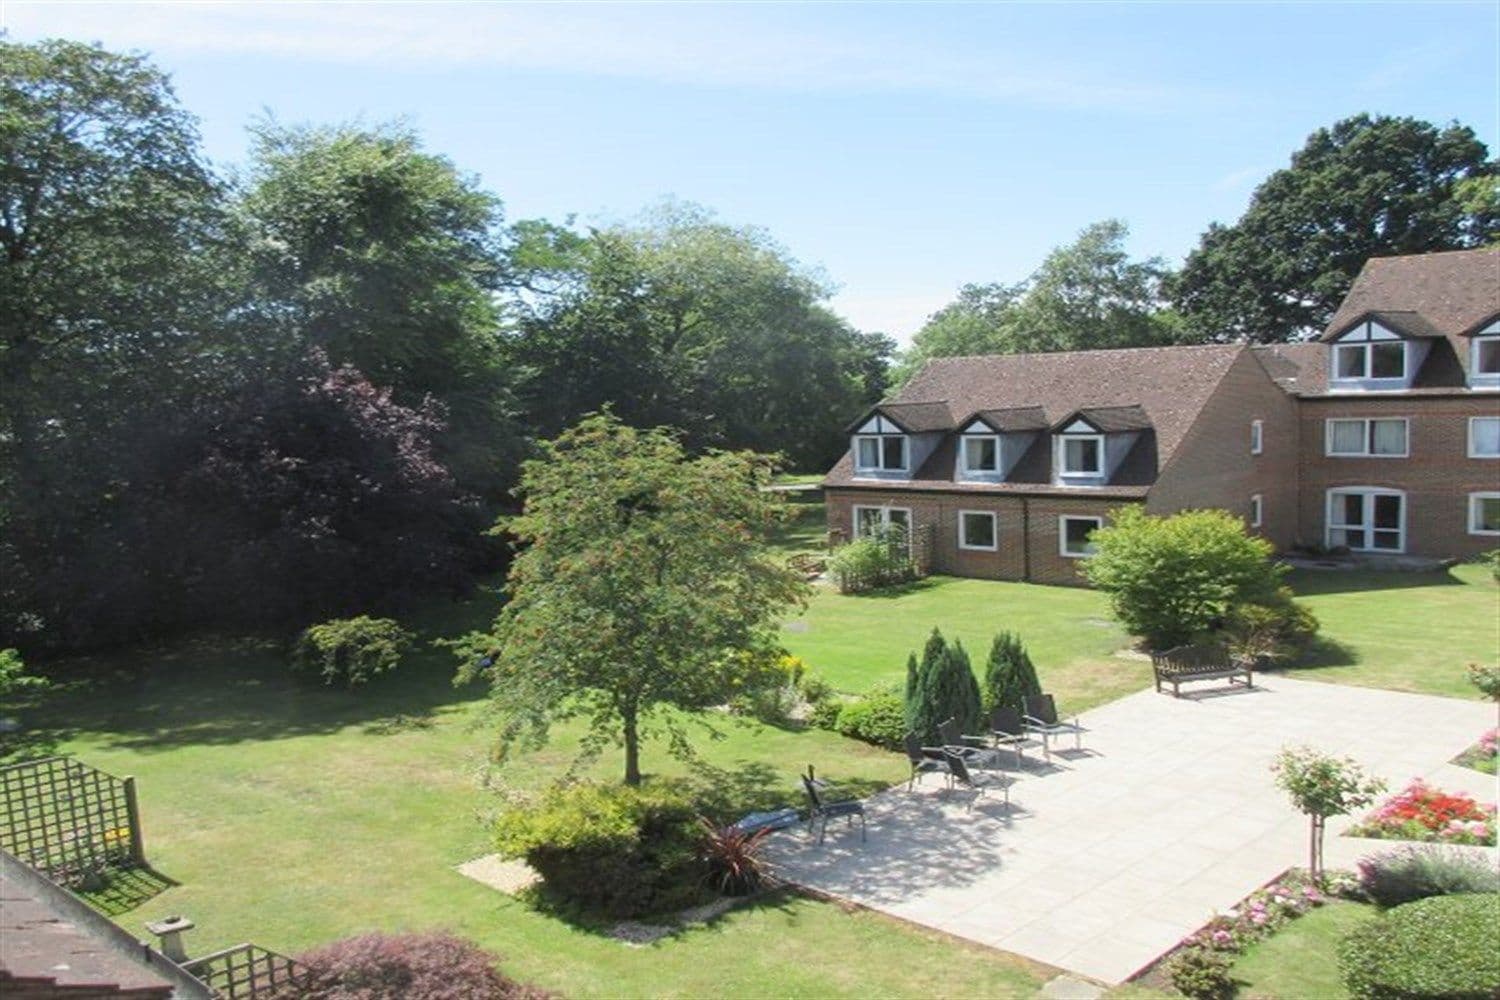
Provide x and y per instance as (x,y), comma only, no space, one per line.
(1026,539)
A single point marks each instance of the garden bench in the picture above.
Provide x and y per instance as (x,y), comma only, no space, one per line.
(1199,663)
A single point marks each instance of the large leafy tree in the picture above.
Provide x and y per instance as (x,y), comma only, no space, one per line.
(1086,294)
(1365,187)
(643,586)
(365,246)
(109,225)
(681,320)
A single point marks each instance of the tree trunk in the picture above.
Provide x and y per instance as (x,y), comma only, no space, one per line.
(632,745)
(1315,847)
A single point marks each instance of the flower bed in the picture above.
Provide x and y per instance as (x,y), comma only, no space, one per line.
(1424,813)
(1482,756)
(1199,966)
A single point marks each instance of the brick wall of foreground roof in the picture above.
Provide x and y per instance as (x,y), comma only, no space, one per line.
(1021,551)
(1215,467)
(1437,476)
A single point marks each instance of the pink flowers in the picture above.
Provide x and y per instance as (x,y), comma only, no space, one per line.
(1421,812)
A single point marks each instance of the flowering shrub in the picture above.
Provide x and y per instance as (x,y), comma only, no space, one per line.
(429,966)
(1200,966)
(1483,755)
(1421,812)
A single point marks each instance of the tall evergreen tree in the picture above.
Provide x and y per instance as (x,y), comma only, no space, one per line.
(941,687)
(1009,675)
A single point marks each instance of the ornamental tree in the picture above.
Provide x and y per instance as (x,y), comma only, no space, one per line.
(940,687)
(1320,786)
(644,585)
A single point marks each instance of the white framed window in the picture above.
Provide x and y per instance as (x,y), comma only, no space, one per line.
(1370,361)
(977,531)
(1484,513)
(867,520)
(880,453)
(1373,437)
(1257,510)
(1366,519)
(981,453)
(1082,454)
(1484,437)
(1257,436)
(1484,357)
(1073,531)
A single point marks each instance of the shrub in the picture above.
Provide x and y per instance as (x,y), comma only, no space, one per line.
(878,717)
(881,558)
(13,675)
(1421,812)
(732,858)
(430,966)
(1172,578)
(618,850)
(1009,675)
(815,690)
(1201,973)
(940,687)
(1492,560)
(1401,876)
(825,714)
(351,650)
(1486,679)
(1438,947)
(1276,627)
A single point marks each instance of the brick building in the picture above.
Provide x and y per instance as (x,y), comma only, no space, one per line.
(1382,437)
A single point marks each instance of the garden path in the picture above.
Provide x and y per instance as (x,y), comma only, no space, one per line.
(1108,858)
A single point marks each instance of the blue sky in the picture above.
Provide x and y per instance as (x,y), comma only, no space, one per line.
(904,149)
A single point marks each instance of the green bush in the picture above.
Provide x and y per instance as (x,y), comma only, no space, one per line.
(1277,626)
(1492,560)
(351,650)
(815,690)
(1009,675)
(1441,947)
(1201,973)
(1402,876)
(825,714)
(879,718)
(1172,578)
(941,687)
(879,559)
(610,849)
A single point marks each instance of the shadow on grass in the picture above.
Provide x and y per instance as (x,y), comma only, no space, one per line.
(219,691)
(1323,651)
(1312,582)
(916,586)
(126,888)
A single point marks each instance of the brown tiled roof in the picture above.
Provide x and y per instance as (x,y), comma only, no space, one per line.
(1112,419)
(1405,322)
(912,417)
(1015,418)
(1167,385)
(1297,368)
(1453,294)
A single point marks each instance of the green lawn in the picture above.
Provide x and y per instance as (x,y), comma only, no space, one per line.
(292,815)
(1404,631)
(1300,960)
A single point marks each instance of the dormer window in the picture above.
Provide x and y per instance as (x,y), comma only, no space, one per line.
(1369,356)
(1082,454)
(981,453)
(880,453)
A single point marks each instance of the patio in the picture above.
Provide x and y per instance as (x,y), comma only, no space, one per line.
(1108,857)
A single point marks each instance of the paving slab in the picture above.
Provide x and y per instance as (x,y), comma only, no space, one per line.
(1106,859)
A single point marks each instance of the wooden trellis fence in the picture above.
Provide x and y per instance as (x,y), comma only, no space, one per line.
(67,819)
(245,972)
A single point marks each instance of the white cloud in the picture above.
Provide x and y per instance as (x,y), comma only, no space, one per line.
(759,47)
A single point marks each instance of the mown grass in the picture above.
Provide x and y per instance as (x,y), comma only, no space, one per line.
(1300,960)
(290,815)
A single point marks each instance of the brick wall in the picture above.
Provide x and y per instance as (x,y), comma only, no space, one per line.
(1022,555)
(1437,475)
(1214,467)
